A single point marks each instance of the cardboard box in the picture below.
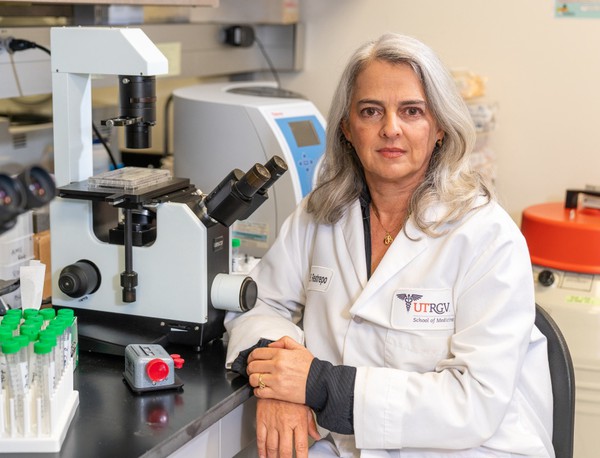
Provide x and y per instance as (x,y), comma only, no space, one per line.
(41,251)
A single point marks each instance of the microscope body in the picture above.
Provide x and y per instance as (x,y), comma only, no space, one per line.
(175,275)
(159,288)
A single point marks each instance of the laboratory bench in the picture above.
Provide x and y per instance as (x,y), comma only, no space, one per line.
(212,415)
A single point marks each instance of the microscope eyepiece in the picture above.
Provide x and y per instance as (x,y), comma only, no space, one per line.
(39,186)
(239,195)
(253,180)
(276,167)
(32,188)
(13,201)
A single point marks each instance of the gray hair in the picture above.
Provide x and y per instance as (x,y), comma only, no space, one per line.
(449,178)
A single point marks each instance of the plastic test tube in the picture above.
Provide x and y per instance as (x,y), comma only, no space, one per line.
(48,315)
(66,321)
(35,320)
(26,354)
(50,337)
(11,322)
(28,313)
(66,312)
(25,366)
(68,316)
(14,312)
(44,385)
(5,336)
(16,387)
(32,332)
(57,327)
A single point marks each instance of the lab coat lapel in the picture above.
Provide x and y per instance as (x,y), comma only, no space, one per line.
(399,255)
(352,229)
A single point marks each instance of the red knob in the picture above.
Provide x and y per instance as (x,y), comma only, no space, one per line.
(177,361)
(157,370)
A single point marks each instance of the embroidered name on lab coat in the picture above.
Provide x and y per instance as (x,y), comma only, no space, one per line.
(426,309)
(319,278)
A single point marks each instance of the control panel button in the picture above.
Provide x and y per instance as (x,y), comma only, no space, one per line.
(546,277)
(157,370)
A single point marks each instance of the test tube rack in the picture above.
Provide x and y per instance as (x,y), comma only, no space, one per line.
(63,404)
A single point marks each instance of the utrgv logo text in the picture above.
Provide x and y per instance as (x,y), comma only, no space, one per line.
(439,308)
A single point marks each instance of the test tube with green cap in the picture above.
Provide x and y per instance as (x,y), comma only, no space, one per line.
(66,320)
(11,317)
(60,325)
(44,384)
(31,330)
(70,313)
(25,355)
(12,323)
(236,256)
(31,333)
(14,312)
(36,320)
(50,339)
(66,312)
(57,331)
(30,312)
(15,388)
(48,315)
(5,335)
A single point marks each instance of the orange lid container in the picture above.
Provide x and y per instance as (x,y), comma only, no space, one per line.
(563,238)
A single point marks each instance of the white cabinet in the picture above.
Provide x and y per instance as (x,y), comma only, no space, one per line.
(227,437)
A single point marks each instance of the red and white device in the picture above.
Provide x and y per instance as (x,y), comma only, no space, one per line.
(149,367)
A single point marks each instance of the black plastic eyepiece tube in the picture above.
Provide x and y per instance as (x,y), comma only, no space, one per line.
(276,167)
(253,180)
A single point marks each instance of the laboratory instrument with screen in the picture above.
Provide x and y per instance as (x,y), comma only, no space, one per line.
(236,124)
(142,256)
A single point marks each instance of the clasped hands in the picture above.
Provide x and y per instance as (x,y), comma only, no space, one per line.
(280,370)
(279,373)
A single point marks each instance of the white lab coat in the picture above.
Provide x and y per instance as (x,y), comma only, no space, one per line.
(459,371)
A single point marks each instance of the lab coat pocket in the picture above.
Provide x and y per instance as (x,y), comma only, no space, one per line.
(421,325)
(418,351)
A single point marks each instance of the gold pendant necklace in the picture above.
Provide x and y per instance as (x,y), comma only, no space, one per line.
(387,239)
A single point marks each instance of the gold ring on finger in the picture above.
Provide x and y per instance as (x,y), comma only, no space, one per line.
(261,383)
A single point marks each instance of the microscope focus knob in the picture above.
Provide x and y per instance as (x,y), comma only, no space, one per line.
(79,279)
(237,293)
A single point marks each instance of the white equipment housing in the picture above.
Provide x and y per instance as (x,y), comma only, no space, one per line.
(221,126)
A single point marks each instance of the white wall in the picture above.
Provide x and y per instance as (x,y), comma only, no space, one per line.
(543,72)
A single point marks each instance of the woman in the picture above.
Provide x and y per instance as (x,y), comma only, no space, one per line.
(409,286)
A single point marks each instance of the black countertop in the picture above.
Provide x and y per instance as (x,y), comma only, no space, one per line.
(112,421)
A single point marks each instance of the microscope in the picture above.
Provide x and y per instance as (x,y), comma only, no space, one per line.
(141,256)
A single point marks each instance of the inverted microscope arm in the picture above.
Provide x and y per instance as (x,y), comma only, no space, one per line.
(77,54)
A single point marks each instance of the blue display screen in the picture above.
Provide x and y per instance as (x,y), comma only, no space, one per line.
(305,137)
